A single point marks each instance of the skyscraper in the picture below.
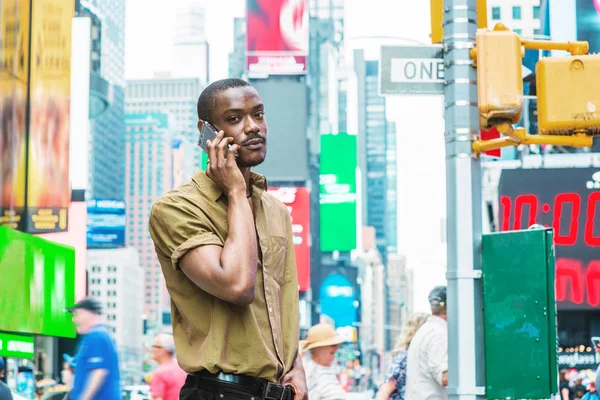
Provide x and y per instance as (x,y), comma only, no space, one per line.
(191,52)
(148,175)
(177,96)
(522,16)
(376,152)
(107,156)
(391,198)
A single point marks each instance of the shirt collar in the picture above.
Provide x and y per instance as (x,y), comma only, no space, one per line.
(214,192)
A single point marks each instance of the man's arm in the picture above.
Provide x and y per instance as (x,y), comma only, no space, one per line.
(229,271)
(437,358)
(95,381)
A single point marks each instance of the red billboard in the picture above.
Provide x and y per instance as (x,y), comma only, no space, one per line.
(297,201)
(276,37)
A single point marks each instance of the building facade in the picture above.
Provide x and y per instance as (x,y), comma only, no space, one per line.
(400,295)
(522,16)
(176,96)
(107,156)
(148,150)
(116,279)
(191,50)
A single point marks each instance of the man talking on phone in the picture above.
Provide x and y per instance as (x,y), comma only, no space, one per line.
(226,251)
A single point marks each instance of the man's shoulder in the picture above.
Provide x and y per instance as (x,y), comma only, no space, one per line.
(98,335)
(274,205)
(187,194)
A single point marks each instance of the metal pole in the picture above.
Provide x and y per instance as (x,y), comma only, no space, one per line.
(464,214)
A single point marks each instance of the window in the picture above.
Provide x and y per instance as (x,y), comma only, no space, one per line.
(496,13)
(536,12)
(518,31)
(516,12)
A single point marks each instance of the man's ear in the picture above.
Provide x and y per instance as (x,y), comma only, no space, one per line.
(200,125)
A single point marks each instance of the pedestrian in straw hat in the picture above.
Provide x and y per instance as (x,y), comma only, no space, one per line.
(322,342)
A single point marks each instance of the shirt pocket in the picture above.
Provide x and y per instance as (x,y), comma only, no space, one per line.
(278,247)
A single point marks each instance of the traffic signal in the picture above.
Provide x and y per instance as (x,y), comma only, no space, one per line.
(499,55)
(568,90)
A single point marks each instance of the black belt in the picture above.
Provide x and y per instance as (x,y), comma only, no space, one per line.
(269,391)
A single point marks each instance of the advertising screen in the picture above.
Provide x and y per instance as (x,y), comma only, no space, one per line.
(37,284)
(48,187)
(297,201)
(588,23)
(568,200)
(106,222)
(277,37)
(337,196)
(16,346)
(14,61)
(287,130)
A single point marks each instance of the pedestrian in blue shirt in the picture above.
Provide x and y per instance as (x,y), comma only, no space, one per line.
(97,368)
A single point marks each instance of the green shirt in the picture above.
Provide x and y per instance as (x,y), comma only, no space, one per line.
(259,340)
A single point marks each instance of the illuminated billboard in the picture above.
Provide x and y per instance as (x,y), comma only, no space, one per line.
(277,37)
(567,200)
(106,222)
(48,187)
(14,62)
(297,201)
(35,74)
(37,284)
(337,196)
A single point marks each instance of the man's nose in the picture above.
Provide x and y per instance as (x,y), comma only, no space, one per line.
(251,126)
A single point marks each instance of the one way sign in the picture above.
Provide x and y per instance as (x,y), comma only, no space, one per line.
(411,70)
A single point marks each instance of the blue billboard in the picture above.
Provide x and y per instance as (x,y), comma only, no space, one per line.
(106,223)
(337,299)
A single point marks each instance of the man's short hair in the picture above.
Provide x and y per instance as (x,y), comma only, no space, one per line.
(166,342)
(208,98)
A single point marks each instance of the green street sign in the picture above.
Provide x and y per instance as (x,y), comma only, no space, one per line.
(16,346)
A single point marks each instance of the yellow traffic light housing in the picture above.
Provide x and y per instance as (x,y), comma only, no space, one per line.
(498,55)
(568,90)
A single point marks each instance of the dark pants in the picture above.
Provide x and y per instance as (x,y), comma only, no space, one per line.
(198,388)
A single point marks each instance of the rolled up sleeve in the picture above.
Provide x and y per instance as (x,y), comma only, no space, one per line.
(177,226)
(437,357)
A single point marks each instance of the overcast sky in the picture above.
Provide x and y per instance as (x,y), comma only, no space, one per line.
(150,30)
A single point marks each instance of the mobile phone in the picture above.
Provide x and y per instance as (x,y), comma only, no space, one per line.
(208,132)
(595,341)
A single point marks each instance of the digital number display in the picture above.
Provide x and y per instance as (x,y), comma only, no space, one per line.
(568,200)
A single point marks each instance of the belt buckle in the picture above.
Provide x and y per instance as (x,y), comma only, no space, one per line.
(271,386)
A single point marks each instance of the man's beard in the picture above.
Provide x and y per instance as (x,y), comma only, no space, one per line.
(251,163)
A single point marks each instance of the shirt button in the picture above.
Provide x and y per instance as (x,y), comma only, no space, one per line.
(270,310)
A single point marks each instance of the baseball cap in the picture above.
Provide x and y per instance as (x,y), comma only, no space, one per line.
(437,297)
(89,304)
(69,360)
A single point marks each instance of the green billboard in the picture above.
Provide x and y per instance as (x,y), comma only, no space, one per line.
(16,346)
(337,195)
(37,283)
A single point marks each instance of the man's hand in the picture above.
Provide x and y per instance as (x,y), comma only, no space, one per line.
(222,168)
(297,380)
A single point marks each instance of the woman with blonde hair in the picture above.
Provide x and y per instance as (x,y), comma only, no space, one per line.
(395,381)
